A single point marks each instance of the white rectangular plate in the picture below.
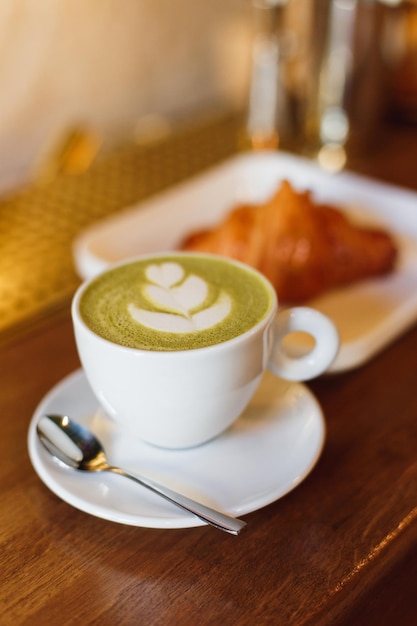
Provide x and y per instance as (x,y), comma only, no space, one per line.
(369,314)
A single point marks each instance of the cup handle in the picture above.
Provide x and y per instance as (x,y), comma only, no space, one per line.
(315,362)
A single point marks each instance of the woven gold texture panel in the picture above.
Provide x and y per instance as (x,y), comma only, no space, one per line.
(38,224)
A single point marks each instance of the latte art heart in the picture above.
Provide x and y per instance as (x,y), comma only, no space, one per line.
(164,274)
(180,307)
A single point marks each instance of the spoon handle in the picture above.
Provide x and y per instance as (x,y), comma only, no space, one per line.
(211,516)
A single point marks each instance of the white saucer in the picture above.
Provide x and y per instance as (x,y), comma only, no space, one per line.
(264,455)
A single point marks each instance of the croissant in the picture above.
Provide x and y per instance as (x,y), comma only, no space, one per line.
(303,248)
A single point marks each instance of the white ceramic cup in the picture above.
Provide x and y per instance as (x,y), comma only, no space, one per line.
(180,399)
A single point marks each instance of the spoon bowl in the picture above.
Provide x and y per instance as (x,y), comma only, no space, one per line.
(74,446)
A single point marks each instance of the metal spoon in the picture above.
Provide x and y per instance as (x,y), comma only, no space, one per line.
(77,447)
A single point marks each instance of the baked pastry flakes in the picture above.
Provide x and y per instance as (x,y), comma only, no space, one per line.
(303,248)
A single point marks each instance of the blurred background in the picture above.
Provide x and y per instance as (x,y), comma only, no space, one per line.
(120,67)
(106,64)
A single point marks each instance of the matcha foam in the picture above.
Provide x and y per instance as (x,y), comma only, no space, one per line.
(175,302)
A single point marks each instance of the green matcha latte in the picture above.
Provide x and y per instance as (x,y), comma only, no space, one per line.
(175,302)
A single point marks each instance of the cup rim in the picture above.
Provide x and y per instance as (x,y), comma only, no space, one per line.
(77,318)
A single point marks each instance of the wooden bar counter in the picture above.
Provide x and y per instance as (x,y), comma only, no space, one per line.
(341,548)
